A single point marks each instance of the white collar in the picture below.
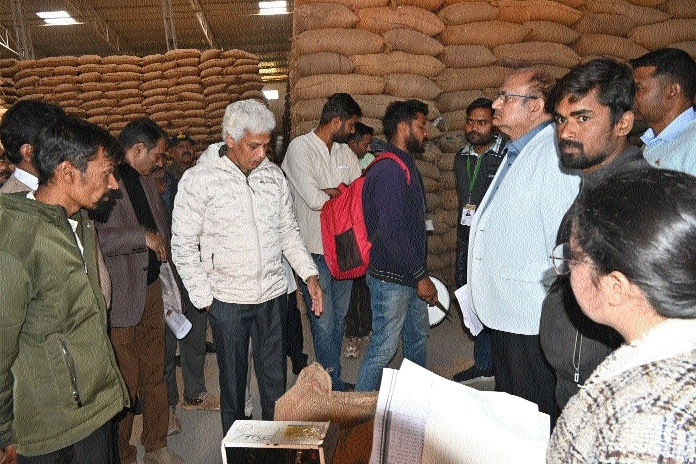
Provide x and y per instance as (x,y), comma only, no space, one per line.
(30,180)
(668,339)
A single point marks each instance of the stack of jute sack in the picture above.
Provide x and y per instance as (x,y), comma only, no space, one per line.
(8,93)
(183,90)
(450,52)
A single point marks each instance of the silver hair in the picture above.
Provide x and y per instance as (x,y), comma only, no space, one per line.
(247,116)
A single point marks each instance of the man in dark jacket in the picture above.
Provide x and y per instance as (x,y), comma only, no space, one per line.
(60,385)
(593,110)
(398,275)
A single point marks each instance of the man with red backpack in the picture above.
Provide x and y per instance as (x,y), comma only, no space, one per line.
(397,275)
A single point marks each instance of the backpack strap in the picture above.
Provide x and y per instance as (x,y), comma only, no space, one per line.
(392,156)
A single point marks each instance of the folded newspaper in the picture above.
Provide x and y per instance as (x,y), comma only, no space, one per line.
(424,418)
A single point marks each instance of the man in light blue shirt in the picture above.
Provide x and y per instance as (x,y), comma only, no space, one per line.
(665,82)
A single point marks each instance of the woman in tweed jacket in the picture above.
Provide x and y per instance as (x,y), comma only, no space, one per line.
(632,258)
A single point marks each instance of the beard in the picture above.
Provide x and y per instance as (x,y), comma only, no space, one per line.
(577,159)
(478,139)
(413,145)
(341,137)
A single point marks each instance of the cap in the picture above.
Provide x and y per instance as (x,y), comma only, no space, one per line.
(180,137)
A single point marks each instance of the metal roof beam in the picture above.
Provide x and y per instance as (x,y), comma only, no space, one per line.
(6,40)
(26,48)
(203,21)
(169,28)
(100,26)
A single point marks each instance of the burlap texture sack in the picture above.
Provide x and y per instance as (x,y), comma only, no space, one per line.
(660,35)
(54,61)
(602,23)
(451,141)
(323,63)
(382,19)
(127,67)
(430,5)
(349,3)
(411,86)
(374,106)
(122,59)
(308,110)
(548,31)
(432,202)
(342,41)
(556,71)
(322,16)
(448,181)
(649,3)
(462,13)
(487,33)
(680,8)
(410,41)
(467,56)
(428,169)
(89,59)
(520,11)
(375,124)
(324,85)
(380,64)
(689,47)
(607,45)
(430,185)
(446,161)
(638,14)
(453,79)
(455,120)
(311,399)
(536,53)
(450,200)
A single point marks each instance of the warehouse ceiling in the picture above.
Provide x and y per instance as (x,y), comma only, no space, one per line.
(139,27)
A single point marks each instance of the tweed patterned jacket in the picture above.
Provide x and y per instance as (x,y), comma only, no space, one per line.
(638,406)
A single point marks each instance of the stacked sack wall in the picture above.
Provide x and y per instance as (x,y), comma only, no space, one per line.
(183,90)
(450,52)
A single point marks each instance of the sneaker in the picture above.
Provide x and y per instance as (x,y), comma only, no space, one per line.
(473,374)
(352,347)
(162,456)
(174,423)
(205,402)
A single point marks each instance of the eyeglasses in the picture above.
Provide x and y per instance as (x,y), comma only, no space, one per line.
(562,259)
(505,96)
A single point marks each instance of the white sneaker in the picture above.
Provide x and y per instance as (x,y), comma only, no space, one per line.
(163,456)
(174,423)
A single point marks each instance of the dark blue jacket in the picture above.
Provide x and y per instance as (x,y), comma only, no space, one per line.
(395,220)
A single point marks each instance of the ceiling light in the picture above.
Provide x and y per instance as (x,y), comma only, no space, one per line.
(56,18)
(273,8)
(271,94)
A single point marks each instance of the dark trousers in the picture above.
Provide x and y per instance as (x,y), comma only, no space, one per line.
(521,369)
(294,339)
(233,325)
(359,317)
(191,353)
(100,447)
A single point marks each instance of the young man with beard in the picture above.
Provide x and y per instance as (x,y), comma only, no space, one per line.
(316,164)
(60,383)
(665,82)
(593,111)
(475,165)
(398,274)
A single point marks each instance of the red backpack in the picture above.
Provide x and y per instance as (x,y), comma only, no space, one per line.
(343,230)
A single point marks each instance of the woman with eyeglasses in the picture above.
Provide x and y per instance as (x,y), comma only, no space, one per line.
(632,263)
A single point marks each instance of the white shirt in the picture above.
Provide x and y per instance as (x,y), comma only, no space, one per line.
(310,168)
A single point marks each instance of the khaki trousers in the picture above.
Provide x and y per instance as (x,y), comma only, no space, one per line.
(140,354)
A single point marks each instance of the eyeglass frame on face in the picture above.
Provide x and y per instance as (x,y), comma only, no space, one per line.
(505,96)
(565,263)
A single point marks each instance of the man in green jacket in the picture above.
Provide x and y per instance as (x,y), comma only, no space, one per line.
(60,385)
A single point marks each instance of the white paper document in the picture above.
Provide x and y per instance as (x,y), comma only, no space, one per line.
(471,320)
(424,418)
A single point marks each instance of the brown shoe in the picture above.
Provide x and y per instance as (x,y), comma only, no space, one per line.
(204,402)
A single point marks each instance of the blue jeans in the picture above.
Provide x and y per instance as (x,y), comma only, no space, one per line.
(327,329)
(396,310)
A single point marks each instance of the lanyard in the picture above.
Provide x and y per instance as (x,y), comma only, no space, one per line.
(472,179)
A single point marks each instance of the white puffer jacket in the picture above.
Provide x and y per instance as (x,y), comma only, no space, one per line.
(230,231)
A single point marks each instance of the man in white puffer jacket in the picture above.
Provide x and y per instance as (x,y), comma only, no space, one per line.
(231,225)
